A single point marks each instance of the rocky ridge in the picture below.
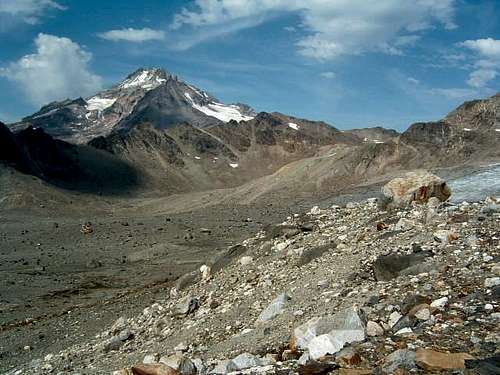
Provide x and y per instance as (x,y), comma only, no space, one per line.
(358,289)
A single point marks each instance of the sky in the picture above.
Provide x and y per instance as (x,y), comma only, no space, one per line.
(351,63)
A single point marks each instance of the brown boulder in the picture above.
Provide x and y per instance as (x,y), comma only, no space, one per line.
(154,369)
(431,360)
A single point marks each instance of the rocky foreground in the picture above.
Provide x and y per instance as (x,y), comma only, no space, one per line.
(406,286)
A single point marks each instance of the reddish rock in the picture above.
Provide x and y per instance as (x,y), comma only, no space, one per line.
(417,186)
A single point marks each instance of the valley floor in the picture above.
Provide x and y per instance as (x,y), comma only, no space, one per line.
(60,287)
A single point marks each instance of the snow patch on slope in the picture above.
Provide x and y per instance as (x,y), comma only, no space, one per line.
(99,104)
(293,126)
(52,111)
(220,111)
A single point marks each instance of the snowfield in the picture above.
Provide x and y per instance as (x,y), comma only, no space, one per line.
(293,126)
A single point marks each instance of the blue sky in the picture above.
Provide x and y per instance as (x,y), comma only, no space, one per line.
(351,63)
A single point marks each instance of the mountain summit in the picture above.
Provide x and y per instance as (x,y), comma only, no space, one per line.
(147,95)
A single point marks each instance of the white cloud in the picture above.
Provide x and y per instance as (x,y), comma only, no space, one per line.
(487,55)
(480,77)
(29,11)
(488,48)
(328,75)
(413,80)
(334,27)
(454,93)
(133,35)
(58,70)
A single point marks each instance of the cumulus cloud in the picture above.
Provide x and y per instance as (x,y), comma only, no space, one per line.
(334,28)
(133,35)
(59,69)
(487,59)
(28,11)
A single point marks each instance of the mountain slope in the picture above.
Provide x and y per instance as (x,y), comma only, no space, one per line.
(34,152)
(221,155)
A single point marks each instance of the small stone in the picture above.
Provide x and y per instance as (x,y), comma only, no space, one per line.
(394,318)
(440,303)
(186,306)
(445,236)
(315,210)
(150,358)
(246,260)
(491,282)
(289,355)
(421,312)
(348,356)
(374,329)
(404,331)
(275,308)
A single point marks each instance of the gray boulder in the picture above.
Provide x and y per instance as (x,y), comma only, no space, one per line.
(388,267)
(400,359)
(180,363)
(328,335)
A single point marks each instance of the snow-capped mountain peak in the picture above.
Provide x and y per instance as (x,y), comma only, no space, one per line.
(145,78)
(147,95)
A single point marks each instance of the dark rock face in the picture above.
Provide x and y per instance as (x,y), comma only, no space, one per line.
(167,106)
(375,134)
(35,152)
(32,151)
(9,150)
(435,133)
(145,138)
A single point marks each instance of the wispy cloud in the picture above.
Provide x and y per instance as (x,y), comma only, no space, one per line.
(333,28)
(454,93)
(133,35)
(57,70)
(328,75)
(27,11)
